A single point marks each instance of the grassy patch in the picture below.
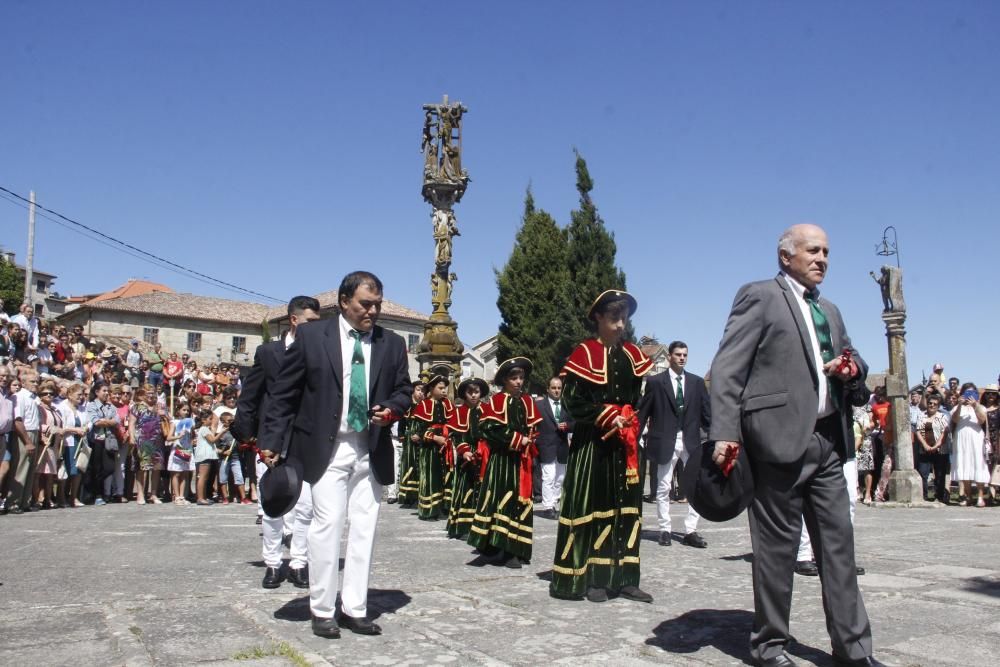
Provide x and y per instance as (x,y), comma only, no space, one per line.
(276,649)
(135,630)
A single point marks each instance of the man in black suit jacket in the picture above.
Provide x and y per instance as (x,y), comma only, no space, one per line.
(342,383)
(250,409)
(675,409)
(553,446)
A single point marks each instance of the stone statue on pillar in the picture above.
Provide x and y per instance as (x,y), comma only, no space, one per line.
(904,483)
(444,184)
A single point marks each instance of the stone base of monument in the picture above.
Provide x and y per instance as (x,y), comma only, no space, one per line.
(906,487)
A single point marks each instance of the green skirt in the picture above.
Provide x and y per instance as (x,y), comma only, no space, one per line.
(501,520)
(600,522)
(430,504)
(409,473)
(463,502)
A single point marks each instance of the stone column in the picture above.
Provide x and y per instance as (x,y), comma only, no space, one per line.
(904,484)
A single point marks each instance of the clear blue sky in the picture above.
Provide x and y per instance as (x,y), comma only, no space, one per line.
(276,145)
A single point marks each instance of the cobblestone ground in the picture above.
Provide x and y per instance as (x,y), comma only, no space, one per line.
(167,585)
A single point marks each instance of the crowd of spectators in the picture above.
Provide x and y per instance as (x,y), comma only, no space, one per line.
(955,434)
(83,422)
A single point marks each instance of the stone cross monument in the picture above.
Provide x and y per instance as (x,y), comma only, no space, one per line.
(904,483)
(445,181)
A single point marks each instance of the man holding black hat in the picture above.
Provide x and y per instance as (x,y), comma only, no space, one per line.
(779,392)
(250,411)
(342,384)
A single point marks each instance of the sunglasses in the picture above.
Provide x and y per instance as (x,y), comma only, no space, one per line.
(46,393)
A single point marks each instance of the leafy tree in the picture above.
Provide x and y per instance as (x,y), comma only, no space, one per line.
(265,331)
(592,252)
(11,287)
(534,296)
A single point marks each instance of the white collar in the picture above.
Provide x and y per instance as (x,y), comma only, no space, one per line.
(674,376)
(799,288)
(346,329)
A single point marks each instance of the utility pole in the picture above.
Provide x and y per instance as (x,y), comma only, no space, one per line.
(30,261)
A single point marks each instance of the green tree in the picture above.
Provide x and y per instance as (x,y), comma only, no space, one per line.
(265,331)
(592,252)
(534,296)
(11,287)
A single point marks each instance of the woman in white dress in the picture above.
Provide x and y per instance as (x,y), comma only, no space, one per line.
(968,465)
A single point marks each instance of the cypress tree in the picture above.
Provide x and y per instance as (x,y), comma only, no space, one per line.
(534,296)
(592,252)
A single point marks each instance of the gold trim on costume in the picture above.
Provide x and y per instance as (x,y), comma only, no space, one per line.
(578,571)
(505,499)
(587,518)
(603,536)
(635,533)
(569,545)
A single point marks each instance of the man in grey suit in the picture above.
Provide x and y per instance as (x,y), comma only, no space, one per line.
(779,389)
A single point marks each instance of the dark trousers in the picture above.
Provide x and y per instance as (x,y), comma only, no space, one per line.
(939,464)
(814,488)
(647,469)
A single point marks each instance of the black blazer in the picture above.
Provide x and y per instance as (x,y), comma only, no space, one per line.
(553,444)
(658,407)
(252,404)
(307,398)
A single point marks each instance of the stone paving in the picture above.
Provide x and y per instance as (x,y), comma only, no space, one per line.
(168,585)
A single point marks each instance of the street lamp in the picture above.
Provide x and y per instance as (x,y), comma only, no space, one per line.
(888,248)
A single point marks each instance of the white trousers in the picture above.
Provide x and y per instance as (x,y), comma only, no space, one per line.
(392,491)
(665,473)
(851,477)
(553,475)
(295,523)
(347,491)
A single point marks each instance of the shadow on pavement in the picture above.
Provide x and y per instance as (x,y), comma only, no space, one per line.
(746,558)
(983,585)
(380,601)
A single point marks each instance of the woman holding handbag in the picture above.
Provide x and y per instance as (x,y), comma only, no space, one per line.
(74,418)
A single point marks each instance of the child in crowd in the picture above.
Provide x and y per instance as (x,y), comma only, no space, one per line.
(181,462)
(205,454)
(229,461)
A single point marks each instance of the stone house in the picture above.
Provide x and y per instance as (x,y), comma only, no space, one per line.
(209,329)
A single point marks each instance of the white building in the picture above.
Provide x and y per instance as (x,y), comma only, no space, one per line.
(46,301)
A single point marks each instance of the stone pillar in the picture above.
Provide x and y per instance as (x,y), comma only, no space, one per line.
(904,484)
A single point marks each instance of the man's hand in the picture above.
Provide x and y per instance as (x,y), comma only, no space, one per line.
(722,449)
(268,457)
(840,369)
(381,416)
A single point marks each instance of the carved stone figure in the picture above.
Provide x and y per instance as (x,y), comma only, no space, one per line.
(891,283)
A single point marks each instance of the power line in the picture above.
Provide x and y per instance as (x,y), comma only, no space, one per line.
(84,234)
(132,250)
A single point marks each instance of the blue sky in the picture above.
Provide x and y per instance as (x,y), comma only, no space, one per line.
(276,146)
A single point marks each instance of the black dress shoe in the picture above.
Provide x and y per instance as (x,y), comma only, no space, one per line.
(325,627)
(649,499)
(806,568)
(695,540)
(392,501)
(664,538)
(778,661)
(546,514)
(299,576)
(860,570)
(513,563)
(272,578)
(862,662)
(360,626)
(635,593)
(260,520)
(597,595)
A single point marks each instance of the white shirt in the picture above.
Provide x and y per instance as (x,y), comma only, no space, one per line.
(31,326)
(289,339)
(27,410)
(347,353)
(824,406)
(679,441)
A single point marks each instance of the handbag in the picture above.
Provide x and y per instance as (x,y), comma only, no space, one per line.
(83,451)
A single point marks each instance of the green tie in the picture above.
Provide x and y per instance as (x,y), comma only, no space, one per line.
(357,402)
(822,326)
(557,412)
(679,394)
(825,339)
